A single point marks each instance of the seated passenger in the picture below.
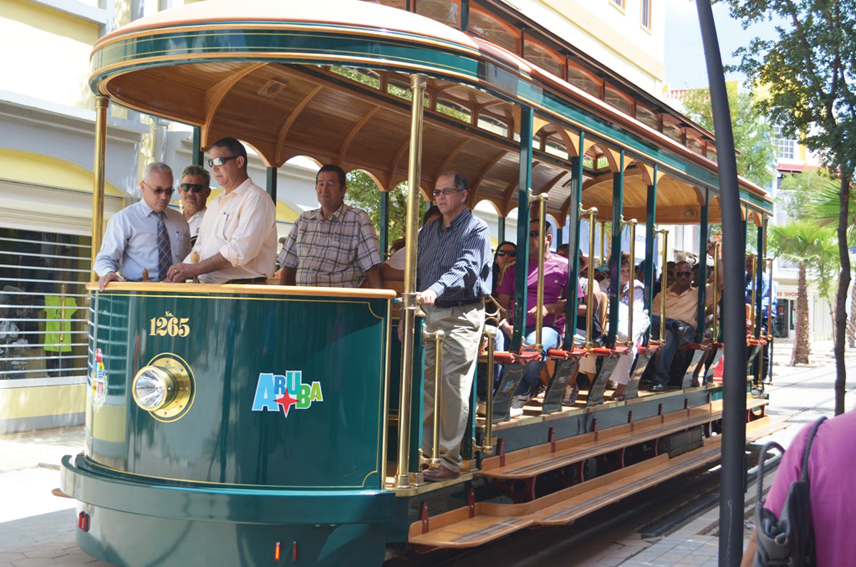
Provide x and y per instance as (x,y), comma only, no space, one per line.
(632,297)
(146,236)
(237,238)
(555,290)
(334,245)
(393,268)
(680,324)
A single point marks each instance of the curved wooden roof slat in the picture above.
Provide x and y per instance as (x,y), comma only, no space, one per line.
(444,166)
(215,96)
(486,169)
(292,118)
(343,150)
(647,171)
(393,165)
(552,183)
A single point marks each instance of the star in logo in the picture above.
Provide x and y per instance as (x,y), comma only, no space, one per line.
(286,401)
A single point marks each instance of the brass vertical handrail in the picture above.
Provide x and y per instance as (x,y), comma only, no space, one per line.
(101,105)
(769,300)
(539,302)
(664,284)
(388,357)
(487,448)
(592,213)
(631,292)
(408,311)
(438,337)
(755,329)
(603,255)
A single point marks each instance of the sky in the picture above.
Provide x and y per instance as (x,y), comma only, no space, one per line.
(684,54)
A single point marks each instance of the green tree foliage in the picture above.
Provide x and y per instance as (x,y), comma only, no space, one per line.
(808,71)
(364,193)
(752,133)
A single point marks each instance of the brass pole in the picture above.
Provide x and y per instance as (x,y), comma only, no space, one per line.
(592,213)
(663,286)
(101,105)
(755,328)
(388,356)
(632,282)
(437,336)
(539,302)
(603,256)
(770,300)
(408,311)
(487,448)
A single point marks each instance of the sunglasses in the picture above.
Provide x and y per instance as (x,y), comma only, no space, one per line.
(444,191)
(683,274)
(195,187)
(218,161)
(510,253)
(534,234)
(159,190)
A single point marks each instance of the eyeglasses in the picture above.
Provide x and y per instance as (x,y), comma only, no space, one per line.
(534,234)
(509,253)
(160,190)
(445,191)
(195,187)
(683,274)
(218,161)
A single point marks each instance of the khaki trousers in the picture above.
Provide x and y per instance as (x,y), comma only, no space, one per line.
(463,327)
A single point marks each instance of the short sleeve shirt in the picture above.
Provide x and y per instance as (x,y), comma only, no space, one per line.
(335,252)
(555,286)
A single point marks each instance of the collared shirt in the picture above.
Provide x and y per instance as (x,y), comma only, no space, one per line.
(130,244)
(455,262)
(336,252)
(681,307)
(765,293)
(555,288)
(195,223)
(241,226)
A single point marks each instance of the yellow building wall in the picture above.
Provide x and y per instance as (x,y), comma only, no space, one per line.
(39,401)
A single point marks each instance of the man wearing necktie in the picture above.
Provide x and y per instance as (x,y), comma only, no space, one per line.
(147,236)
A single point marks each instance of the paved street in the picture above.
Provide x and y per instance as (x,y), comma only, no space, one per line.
(38,529)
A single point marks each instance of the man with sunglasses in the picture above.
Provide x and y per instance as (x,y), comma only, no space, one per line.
(681,322)
(237,239)
(453,276)
(194,191)
(147,236)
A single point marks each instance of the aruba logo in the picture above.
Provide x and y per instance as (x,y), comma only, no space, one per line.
(274,391)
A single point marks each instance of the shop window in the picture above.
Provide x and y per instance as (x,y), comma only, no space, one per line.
(492,29)
(43,314)
(543,57)
(583,81)
(442,11)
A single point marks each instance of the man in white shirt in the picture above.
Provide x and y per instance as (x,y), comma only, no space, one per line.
(146,237)
(237,239)
(194,190)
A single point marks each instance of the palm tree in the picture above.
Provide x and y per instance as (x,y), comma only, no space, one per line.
(807,245)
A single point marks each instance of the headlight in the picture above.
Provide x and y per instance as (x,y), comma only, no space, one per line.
(153,388)
(164,388)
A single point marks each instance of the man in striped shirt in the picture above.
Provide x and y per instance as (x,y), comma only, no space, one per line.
(334,246)
(454,275)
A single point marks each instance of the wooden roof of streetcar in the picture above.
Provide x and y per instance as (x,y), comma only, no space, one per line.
(262,72)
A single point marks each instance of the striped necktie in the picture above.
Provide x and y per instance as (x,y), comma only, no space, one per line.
(164,252)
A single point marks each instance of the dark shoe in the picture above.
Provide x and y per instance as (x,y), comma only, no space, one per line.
(658,388)
(439,474)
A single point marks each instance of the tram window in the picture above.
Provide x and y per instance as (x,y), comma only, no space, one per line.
(695,145)
(588,163)
(556,148)
(711,153)
(583,81)
(440,10)
(492,29)
(454,110)
(542,57)
(647,117)
(673,131)
(493,125)
(364,76)
(402,90)
(615,99)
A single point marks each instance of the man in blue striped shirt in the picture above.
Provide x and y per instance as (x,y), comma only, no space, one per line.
(454,275)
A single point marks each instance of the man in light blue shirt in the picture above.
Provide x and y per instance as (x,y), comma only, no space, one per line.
(147,236)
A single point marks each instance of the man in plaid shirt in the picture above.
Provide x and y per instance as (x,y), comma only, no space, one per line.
(334,246)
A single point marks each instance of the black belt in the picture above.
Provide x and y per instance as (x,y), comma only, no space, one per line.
(260,279)
(461,303)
